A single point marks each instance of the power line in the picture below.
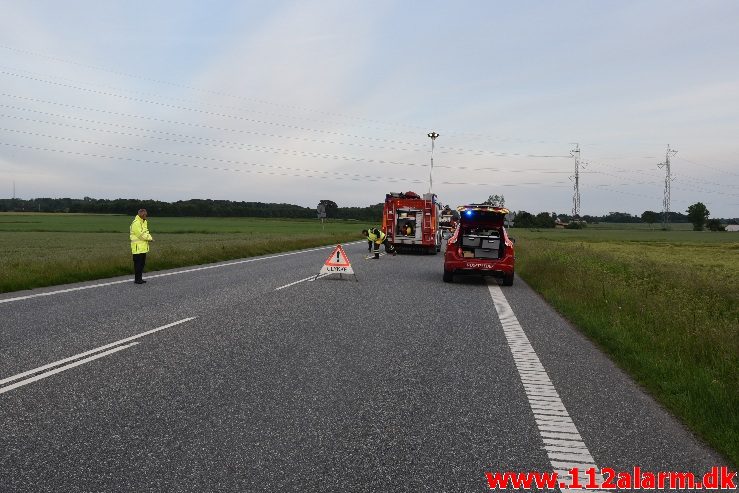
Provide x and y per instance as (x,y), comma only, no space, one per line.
(609,188)
(189,124)
(251,132)
(708,166)
(239,145)
(672,175)
(412,128)
(205,91)
(12,71)
(652,172)
(278,124)
(326,175)
(214,168)
(189,156)
(206,112)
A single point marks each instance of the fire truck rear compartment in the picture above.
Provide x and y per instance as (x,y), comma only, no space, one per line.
(405,218)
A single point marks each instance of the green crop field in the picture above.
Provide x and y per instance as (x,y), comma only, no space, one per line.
(49,249)
(639,226)
(663,304)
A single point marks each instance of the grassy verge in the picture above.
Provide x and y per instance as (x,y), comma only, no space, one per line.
(668,313)
(46,250)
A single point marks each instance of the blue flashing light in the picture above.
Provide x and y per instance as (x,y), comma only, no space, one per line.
(468,212)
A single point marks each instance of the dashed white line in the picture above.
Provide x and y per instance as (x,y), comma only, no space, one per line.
(117,346)
(562,442)
(309,279)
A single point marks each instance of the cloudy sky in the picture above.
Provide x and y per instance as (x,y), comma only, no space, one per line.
(307,100)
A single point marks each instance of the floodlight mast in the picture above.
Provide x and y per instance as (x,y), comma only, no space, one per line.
(432,135)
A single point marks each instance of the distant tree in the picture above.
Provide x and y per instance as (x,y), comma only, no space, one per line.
(620,217)
(331,208)
(495,201)
(565,218)
(677,217)
(525,220)
(715,225)
(649,217)
(698,213)
(544,220)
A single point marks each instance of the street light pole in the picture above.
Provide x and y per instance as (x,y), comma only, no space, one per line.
(432,135)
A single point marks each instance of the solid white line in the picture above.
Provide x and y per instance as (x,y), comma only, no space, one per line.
(541,396)
(215,266)
(64,368)
(86,353)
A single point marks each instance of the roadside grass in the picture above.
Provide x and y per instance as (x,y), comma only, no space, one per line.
(665,311)
(65,248)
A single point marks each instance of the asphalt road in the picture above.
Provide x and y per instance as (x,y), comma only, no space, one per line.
(394,381)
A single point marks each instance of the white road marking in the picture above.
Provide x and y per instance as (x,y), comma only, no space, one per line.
(554,422)
(309,279)
(164,274)
(64,368)
(92,351)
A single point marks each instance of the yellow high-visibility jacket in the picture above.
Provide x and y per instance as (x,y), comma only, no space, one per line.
(139,235)
(371,236)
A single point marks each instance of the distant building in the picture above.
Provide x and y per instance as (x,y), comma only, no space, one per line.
(732,227)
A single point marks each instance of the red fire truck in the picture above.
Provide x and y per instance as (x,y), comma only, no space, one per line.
(448,220)
(412,222)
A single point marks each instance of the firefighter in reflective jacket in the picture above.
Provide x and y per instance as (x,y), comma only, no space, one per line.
(376,237)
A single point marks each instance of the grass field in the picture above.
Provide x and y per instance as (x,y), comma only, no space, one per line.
(49,249)
(663,304)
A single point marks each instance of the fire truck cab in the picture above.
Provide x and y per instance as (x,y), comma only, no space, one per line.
(412,222)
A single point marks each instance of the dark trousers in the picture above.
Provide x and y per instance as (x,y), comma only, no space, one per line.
(388,248)
(139,260)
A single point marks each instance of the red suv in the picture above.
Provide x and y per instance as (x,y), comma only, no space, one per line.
(480,244)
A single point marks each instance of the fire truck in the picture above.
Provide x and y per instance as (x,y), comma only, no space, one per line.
(448,220)
(411,222)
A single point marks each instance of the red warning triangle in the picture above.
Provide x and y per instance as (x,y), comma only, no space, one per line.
(337,263)
(337,258)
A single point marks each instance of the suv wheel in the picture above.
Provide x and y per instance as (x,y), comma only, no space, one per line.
(448,276)
(508,280)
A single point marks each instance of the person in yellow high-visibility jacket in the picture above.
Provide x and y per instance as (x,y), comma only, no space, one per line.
(140,238)
(377,237)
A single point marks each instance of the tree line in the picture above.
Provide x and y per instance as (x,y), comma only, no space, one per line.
(697,213)
(188,208)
